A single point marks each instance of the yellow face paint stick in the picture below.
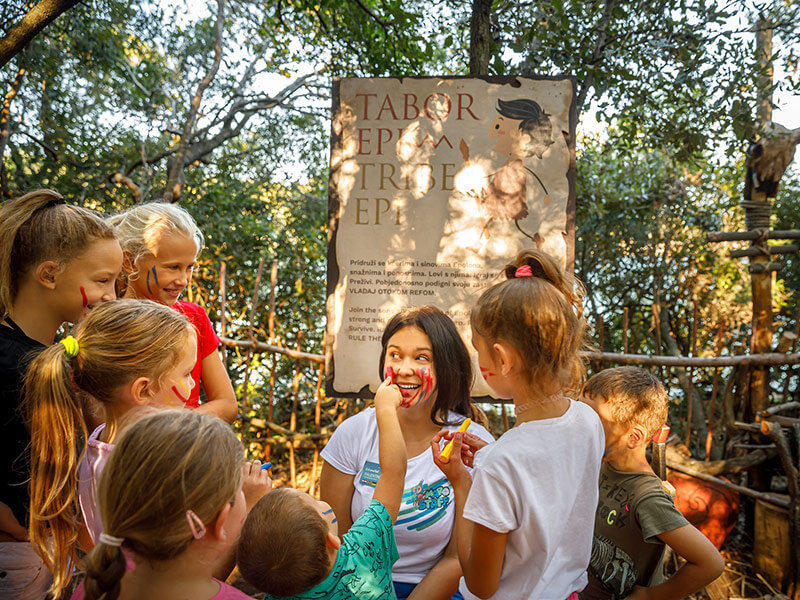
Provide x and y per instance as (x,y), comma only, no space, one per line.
(445,455)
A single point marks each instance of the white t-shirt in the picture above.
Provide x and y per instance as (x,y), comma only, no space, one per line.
(538,483)
(426,516)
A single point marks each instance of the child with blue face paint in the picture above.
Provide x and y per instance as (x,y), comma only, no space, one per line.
(425,357)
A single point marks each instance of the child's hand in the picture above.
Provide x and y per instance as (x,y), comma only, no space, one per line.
(388,394)
(453,469)
(470,444)
(256,483)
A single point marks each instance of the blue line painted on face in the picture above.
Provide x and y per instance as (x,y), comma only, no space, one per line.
(155,275)
(147,281)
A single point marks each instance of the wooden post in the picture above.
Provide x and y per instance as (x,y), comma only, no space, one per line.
(317,414)
(600,333)
(791,350)
(250,329)
(657,329)
(761,278)
(222,292)
(690,373)
(273,277)
(505,418)
(625,330)
(293,418)
(710,435)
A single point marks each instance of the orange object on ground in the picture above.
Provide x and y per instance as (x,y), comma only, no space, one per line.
(710,507)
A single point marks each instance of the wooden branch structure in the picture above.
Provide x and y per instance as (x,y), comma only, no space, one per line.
(37,18)
(604,357)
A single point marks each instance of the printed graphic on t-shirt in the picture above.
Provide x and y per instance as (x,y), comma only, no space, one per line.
(424,504)
(612,566)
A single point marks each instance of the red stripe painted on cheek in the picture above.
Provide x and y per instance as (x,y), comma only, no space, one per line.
(85,299)
(178,394)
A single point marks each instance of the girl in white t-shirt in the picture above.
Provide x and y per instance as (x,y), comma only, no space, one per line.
(429,362)
(524,524)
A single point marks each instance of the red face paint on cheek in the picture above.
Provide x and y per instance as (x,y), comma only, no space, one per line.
(389,374)
(486,373)
(178,394)
(85,299)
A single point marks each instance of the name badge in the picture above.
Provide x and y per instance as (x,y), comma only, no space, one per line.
(370,474)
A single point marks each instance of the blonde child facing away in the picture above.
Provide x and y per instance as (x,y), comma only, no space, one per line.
(524,524)
(636,519)
(172,497)
(160,243)
(290,545)
(126,354)
(57,262)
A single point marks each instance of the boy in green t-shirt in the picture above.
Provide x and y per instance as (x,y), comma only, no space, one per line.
(635,517)
(290,546)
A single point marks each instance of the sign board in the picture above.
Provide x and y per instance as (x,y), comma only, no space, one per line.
(435,184)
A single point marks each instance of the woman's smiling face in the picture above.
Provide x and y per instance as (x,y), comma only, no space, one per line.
(409,353)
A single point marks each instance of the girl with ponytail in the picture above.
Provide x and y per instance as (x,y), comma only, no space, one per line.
(525,516)
(57,262)
(125,355)
(171,497)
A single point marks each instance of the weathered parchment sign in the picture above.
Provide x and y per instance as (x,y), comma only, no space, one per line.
(435,184)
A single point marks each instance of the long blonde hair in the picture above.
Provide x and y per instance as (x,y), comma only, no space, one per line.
(117,342)
(140,228)
(40,226)
(163,466)
(540,313)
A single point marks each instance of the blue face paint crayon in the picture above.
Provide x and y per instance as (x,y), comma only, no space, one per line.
(266,465)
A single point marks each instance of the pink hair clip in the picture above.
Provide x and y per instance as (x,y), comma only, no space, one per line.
(523,271)
(195,524)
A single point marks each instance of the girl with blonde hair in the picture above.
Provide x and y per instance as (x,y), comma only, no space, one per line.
(172,497)
(125,355)
(525,515)
(160,243)
(57,262)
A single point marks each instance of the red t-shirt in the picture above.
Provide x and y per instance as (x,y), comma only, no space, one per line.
(207,342)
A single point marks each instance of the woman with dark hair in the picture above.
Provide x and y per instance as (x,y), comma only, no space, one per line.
(423,353)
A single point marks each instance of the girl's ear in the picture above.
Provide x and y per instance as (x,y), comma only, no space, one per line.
(142,390)
(128,262)
(218,525)
(46,274)
(506,356)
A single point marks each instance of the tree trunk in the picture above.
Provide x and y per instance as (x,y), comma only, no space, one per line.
(5,128)
(698,414)
(38,17)
(480,37)
(174,186)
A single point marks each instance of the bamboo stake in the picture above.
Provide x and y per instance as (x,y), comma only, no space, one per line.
(600,336)
(222,292)
(690,374)
(710,436)
(791,351)
(657,329)
(625,330)
(293,418)
(317,412)
(273,277)
(249,355)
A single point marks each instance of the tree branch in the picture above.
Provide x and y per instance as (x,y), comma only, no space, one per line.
(172,189)
(38,17)
(599,47)
(5,126)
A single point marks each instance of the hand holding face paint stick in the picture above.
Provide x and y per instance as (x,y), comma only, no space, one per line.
(256,482)
(445,455)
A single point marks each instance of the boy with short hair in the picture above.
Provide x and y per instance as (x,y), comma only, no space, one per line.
(290,546)
(635,518)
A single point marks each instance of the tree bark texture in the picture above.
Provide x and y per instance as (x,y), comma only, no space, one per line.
(480,37)
(38,17)
(5,127)
(174,186)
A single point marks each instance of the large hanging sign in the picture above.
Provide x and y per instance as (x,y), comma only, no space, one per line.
(435,184)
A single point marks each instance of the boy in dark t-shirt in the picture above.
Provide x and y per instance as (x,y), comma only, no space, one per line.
(636,519)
